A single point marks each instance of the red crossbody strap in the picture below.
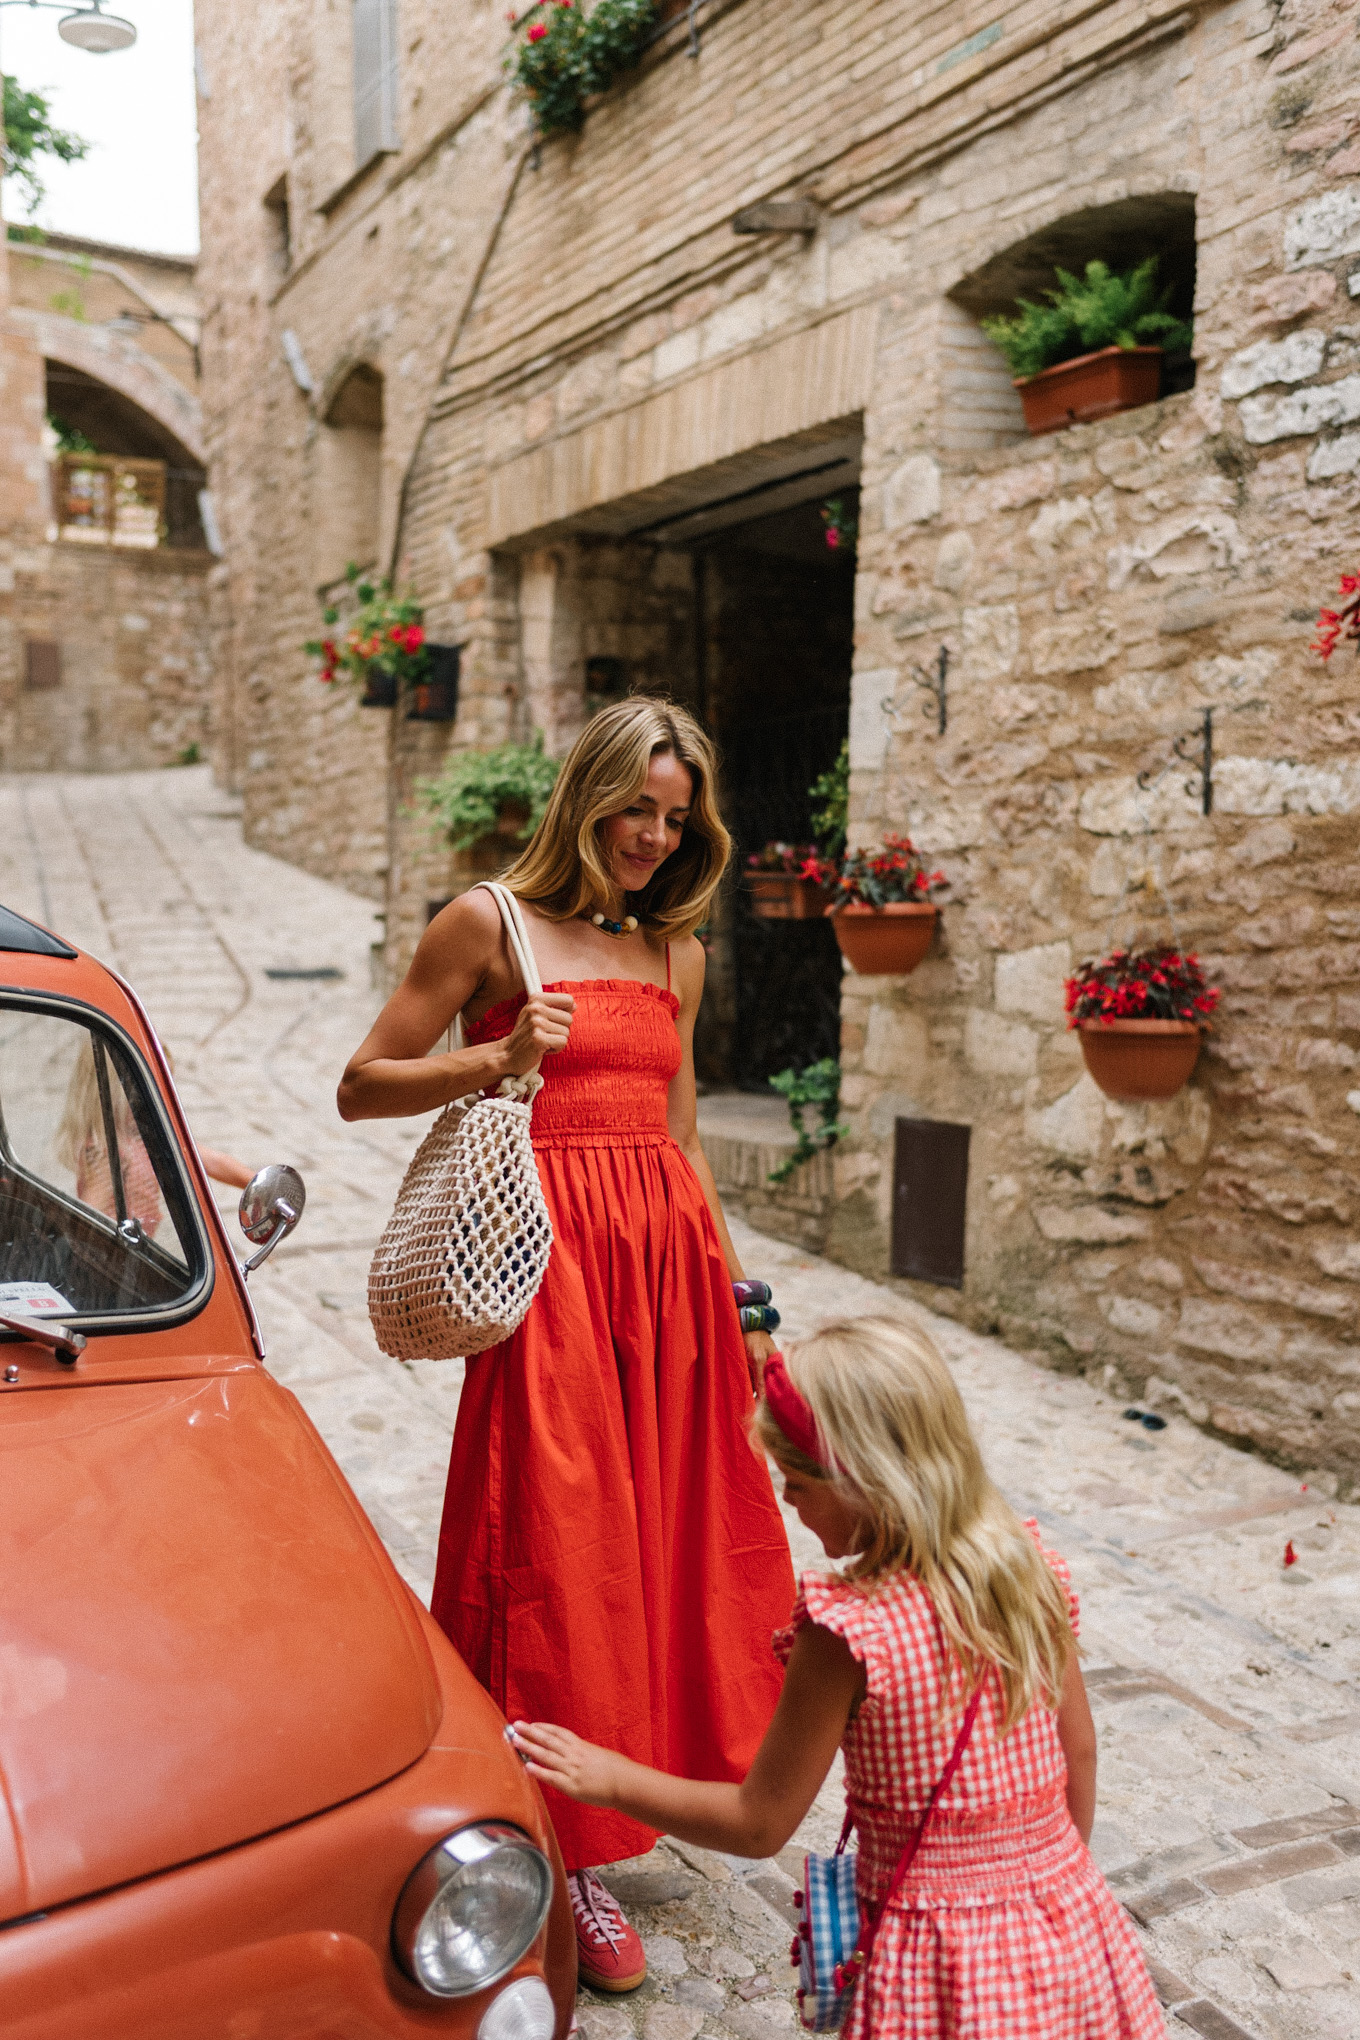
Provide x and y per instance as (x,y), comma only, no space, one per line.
(864,1948)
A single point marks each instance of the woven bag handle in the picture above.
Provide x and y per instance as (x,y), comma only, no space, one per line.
(522,953)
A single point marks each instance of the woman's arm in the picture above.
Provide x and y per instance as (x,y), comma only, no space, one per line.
(1077,1734)
(682,1114)
(822,1684)
(392,1075)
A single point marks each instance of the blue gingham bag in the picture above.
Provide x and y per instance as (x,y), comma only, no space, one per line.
(834,1944)
(827,1937)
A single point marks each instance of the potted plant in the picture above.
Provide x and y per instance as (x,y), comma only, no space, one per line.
(1140,1016)
(783,880)
(1095,348)
(880,906)
(383,645)
(490,802)
(568,56)
(778,884)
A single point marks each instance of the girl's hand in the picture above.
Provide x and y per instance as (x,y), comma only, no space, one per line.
(759,1347)
(542,1026)
(557,1757)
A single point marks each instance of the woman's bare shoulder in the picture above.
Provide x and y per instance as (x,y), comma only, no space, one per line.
(688,962)
(466,931)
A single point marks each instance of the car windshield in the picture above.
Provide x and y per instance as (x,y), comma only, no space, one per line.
(95,1217)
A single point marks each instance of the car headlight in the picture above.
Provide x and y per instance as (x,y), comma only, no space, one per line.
(523,2011)
(470,1909)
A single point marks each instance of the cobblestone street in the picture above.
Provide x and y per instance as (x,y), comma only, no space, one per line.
(1226,1686)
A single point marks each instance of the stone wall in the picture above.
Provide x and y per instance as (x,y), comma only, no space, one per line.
(132,628)
(579,353)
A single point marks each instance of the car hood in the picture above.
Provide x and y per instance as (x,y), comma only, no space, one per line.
(201,1638)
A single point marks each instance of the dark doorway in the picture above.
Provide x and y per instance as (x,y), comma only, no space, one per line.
(776,624)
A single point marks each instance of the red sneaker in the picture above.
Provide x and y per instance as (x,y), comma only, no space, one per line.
(608,1951)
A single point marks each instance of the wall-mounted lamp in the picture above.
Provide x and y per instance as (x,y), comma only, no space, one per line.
(86,28)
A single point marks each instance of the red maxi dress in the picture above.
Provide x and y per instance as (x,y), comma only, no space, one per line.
(611,1556)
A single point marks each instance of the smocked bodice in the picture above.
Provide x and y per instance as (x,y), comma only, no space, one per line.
(608,1085)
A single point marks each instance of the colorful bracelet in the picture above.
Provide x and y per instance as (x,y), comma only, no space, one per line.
(759,1317)
(752,1292)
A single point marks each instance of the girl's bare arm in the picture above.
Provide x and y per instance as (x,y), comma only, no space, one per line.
(755,1818)
(392,1075)
(1077,1734)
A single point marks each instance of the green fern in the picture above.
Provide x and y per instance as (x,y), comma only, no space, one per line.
(1103,308)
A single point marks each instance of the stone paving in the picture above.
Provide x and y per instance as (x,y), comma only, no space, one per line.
(1226,1685)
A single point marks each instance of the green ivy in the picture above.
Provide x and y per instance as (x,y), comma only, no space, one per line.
(70,439)
(820,1085)
(568,56)
(474,786)
(1101,309)
(831,820)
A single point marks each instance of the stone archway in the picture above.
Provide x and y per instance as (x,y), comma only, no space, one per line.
(125,368)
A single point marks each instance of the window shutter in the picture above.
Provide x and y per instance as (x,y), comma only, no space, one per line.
(930,1201)
(375,78)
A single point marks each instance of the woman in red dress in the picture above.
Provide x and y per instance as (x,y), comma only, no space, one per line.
(611,1555)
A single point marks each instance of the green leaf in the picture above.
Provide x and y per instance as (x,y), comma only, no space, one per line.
(474,786)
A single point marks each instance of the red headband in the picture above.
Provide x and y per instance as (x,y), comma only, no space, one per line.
(791,1412)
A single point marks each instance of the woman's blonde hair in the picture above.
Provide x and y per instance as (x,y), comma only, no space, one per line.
(561,870)
(891,1419)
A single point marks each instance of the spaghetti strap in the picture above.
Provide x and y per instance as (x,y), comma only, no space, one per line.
(668,966)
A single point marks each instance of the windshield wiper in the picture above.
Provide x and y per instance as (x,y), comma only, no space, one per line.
(66,1344)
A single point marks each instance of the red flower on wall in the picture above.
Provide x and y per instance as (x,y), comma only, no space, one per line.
(1335,624)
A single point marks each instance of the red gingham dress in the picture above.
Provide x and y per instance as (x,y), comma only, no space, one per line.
(1003,1929)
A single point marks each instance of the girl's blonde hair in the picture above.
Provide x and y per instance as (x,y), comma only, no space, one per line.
(892,1421)
(561,870)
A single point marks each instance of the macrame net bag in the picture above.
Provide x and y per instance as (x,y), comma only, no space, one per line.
(467,1245)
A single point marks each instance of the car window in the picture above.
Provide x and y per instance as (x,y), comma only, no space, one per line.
(94,1216)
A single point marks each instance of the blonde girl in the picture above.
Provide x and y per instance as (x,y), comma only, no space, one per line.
(1003,1928)
(611,1553)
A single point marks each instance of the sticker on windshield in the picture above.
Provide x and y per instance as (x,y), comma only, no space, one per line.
(34,1299)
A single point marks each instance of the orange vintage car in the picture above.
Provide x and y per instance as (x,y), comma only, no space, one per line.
(248,1791)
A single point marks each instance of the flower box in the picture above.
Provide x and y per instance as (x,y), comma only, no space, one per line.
(1140,1059)
(1093,386)
(884,941)
(785,896)
(380,688)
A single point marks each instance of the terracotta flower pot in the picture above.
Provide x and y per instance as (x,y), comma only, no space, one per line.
(784,896)
(1093,386)
(885,941)
(1140,1058)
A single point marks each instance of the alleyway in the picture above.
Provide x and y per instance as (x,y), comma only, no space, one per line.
(1226,1687)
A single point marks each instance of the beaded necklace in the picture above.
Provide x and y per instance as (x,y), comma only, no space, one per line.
(623,927)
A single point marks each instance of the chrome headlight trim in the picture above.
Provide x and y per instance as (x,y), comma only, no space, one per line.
(451,1859)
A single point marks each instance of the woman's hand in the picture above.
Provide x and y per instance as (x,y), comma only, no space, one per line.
(759,1348)
(541,1027)
(557,1757)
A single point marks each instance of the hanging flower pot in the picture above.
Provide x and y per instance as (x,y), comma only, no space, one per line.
(1141,1018)
(1132,1059)
(884,941)
(380,688)
(880,906)
(435,694)
(1093,386)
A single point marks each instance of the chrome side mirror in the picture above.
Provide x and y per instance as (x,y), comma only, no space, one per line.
(271,1205)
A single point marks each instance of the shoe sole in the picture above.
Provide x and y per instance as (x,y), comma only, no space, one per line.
(614,1985)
